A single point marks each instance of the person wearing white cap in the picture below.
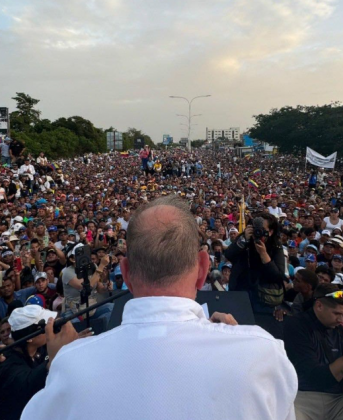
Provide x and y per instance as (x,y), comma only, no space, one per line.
(24,369)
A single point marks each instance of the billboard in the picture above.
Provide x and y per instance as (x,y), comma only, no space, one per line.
(114,140)
(4,121)
(167,139)
(138,144)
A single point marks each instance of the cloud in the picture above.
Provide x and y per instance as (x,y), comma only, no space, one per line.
(117,61)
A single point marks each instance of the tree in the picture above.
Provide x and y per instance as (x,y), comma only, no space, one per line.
(197,143)
(26,117)
(319,127)
(84,129)
(133,134)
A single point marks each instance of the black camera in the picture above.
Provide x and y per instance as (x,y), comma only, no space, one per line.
(259,231)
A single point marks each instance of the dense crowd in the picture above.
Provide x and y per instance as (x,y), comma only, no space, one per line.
(48,209)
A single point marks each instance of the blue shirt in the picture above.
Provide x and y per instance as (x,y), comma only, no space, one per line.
(21,295)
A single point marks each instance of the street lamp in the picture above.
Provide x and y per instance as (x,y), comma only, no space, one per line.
(189,113)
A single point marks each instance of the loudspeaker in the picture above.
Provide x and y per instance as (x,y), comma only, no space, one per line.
(235,303)
(138,144)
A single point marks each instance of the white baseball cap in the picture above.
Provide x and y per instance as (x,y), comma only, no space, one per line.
(17,226)
(29,315)
(326,232)
(72,252)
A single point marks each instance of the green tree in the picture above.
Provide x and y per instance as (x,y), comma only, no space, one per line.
(95,137)
(26,117)
(197,143)
(289,128)
(133,134)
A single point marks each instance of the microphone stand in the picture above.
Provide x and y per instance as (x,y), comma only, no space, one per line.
(61,321)
(86,291)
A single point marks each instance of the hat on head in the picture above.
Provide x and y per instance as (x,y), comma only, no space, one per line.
(227,265)
(337,257)
(14,238)
(292,244)
(41,275)
(326,232)
(329,243)
(6,253)
(311,246)
(18,219)
(72,252)
(51,250)
(36,300)
(311,258)
(17,227)
(22,318)
(52,229)
(233,230)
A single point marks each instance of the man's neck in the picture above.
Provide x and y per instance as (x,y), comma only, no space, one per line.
(9,299)
(307,296)
(31,349)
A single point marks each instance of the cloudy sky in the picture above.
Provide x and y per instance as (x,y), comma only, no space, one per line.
(116,62)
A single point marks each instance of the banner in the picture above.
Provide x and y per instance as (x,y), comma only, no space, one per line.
(318,160)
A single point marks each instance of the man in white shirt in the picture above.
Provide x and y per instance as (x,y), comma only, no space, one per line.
(274,209)
(173,363)
(124,220)
(28,170)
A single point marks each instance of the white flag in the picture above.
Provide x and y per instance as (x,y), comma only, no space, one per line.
(319,160)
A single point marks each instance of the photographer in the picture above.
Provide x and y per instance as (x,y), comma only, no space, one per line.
(258,267)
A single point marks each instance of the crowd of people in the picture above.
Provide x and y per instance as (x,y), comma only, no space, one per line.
(278,238)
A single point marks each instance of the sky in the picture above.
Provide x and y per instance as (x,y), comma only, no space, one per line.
(116,62)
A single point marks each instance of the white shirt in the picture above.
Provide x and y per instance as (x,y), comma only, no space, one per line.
(60,246)
(29,169)
(275,212)
(123,222)
(168,362)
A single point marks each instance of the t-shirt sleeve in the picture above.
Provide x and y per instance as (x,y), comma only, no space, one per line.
(67,276)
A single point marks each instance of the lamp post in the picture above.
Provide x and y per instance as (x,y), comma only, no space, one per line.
(189,113)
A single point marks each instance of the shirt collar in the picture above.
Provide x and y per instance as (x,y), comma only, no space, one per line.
(161,309)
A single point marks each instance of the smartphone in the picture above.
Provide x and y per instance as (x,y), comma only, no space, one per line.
(43,256)
(218,256)
(120,242)
(18,264)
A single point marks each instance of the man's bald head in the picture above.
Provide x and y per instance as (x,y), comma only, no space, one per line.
(162,242)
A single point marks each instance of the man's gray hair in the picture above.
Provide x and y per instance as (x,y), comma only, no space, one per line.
(160,251)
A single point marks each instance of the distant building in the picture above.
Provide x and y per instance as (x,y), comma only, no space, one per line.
(231,133)
(183,141)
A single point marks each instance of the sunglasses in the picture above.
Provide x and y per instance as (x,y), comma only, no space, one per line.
(336,295)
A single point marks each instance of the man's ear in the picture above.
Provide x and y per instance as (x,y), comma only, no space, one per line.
(124,266)
(203,264)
